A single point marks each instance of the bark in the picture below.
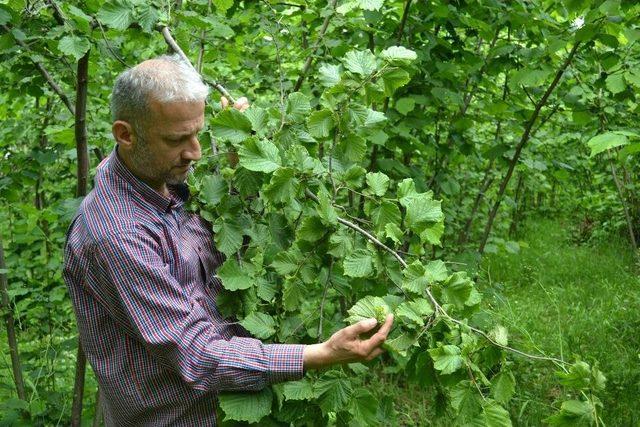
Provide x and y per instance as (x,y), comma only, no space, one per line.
(523,141)
(97,418)
(81,190)
(16,366)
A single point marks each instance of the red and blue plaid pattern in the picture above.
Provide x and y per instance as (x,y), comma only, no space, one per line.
(140,272)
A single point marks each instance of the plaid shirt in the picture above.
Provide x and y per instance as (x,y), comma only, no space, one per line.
(140,272)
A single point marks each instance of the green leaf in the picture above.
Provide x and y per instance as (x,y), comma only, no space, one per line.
(421,210)
(578,377)
(394,79)
(287,262)
(499,334)
(364,407)
(573,413)
(233,277)
(414,311)
(494,415)
(378,183)
(246,406)
(436,271)
(360,62)
(258,118)
(74,46)
(374,118)
(116,14)
(503,387)
(393,232)
(329,75)
(465,400)
(311,229)
(283,186)
(457,288)
(223,5)
(325,209)
(405,105)
(606,141)
(298,106)
(414,278)
(228,236)
(370,4)
(320,123)
(369,307)
(333,391)
(230,124)
(260,325)
(386,214)
(298,390)
(259,156)
(615,83)
(353,147)
(359,263)
(214,188)
(147,17)
(398,54)
(446,359)
(293,293)
(5,17)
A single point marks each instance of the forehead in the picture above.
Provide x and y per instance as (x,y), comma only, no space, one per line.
(177,117)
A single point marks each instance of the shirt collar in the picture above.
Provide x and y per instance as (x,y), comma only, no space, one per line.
(178,193)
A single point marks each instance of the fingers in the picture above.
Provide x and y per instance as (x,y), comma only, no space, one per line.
(373,343)
(361,327)
(241,104)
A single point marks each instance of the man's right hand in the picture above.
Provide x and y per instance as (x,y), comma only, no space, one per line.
(346,346)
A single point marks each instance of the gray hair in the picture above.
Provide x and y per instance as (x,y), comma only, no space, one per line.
(167,78)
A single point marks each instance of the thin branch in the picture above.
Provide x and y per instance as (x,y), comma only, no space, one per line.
(106,42)
(57,13)
(533,101)
(174,46)
(437,307)
(309,61)
(47,76)
(324,297)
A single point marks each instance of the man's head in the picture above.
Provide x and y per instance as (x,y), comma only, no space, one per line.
(158,111)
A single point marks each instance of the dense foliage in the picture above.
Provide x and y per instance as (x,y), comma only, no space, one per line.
(390,144)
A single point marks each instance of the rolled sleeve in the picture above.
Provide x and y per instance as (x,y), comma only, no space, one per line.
(150,303)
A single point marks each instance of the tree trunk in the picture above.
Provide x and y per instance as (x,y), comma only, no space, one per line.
(523,141)
(16,367)
(81,190)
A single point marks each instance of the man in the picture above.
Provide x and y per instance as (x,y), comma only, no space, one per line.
(140,271)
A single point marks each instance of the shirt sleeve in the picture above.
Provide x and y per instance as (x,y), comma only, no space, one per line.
(176,329)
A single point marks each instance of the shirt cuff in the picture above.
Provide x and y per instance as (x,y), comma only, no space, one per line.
(285,362)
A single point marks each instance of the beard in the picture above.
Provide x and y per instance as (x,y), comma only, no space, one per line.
(145,161)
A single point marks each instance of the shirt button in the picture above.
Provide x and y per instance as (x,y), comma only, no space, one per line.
(199,249)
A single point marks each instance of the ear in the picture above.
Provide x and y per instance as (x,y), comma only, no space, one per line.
(123,133)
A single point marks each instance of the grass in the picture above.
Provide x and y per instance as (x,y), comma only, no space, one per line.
(572,301)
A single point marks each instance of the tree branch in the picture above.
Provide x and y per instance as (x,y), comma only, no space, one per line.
(309,61)
(47,76)
(438,309)
(174,46)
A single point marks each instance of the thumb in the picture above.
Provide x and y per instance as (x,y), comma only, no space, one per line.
(362,326)
(224,102)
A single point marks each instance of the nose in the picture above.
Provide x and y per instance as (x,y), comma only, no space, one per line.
(192,152)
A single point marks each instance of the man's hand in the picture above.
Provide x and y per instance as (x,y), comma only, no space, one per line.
(241,104)
(346,346)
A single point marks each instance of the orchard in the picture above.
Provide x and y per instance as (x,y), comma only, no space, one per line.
(468,166)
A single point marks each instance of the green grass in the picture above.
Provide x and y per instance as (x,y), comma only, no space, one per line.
(569,300)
